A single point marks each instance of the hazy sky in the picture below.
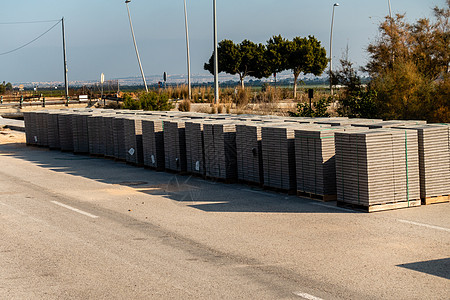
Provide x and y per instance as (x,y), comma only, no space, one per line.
(99,40)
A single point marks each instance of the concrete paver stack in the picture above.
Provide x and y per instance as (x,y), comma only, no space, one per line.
(315,162)
(133,140)
(365,163)
(175,145)
(249,153)
(80,133)
(220,150)
(279,157)
(434,162)
(53,130)
(376,168)
(195,156)
(42,125)
(153,143)
(65,131)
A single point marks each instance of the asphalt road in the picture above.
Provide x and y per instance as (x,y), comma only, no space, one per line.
(77,227)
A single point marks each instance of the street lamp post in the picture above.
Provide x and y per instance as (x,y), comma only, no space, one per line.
(216,58)
(331,48)
(135,46)
(188,53)
(66,80)
(390,11)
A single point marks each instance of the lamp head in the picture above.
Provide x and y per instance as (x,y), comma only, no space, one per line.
(336,4)
(127,1)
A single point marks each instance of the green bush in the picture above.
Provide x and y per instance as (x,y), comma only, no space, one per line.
(318,109)
(130,103)
(155,101)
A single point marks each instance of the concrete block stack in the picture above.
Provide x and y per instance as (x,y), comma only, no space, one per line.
(153,143)
(133,140)
(434,157)
(195,156)
(42,128)
(175,145)
(53,130)
(65,131)
(376,169)
(120,152)
(315,162)
(279,157)
(220,150)
(249,153)
(80,132)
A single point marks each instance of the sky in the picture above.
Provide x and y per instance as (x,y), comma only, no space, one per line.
(98,35)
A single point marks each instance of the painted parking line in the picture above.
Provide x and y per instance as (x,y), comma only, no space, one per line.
(424,225)
(75,209)
(307,296)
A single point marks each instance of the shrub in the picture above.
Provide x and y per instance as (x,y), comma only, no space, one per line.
(155,101)
(184,105)
(130,103)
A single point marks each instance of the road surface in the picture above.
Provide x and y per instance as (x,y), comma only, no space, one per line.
(77,227)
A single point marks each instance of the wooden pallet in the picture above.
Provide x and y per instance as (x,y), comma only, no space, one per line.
(324,198)
(380,207)
(435,199)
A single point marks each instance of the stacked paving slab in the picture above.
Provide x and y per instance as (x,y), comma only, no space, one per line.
(279,157)
(133,140)
(434,159)
(315,162)
(153,143)
(376,168)
(364,163)
(175,145)
(249,153)
(195,156)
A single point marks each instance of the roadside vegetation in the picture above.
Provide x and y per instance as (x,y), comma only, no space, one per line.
(408,69)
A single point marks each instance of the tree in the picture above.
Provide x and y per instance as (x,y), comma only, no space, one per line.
(245,59)
(276,55)
(409,64)
(346,75)
(5,87)
(356,101)
(307,56)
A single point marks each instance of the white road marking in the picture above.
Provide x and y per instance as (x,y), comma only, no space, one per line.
(307,296)
(75,209)
(333,207)
(424,225)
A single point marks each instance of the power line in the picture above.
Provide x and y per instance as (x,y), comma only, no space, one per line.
(23,46)
(27,22)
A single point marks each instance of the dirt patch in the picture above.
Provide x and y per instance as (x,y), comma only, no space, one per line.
(8,136)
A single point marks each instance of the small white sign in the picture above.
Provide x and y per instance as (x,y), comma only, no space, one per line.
(102,78)
(35,139)
(131,151)
(153,159)
(197,166)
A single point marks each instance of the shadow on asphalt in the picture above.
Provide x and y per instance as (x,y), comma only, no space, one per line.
(205,195)
(438,267)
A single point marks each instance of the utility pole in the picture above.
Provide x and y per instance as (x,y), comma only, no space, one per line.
(135,46)
(331,49)
(390,12)
(216,58)
(188,53)
(66,81)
